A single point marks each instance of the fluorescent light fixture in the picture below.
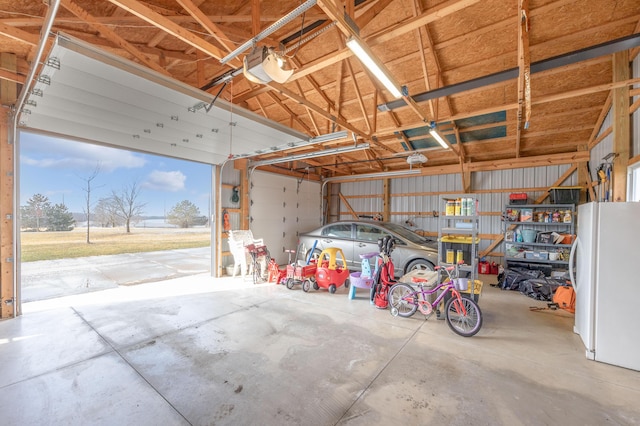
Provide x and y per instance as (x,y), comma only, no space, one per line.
(314,154)
(329,137)
(368,60)
(395,173)
(289,145)
(437,136)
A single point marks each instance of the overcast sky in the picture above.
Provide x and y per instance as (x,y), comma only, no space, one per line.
(59,168)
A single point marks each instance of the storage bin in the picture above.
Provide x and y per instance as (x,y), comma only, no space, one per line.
(529,235)
(461,284)
(477,290)
(565,195)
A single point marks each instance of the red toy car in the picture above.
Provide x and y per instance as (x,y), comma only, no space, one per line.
(331,271)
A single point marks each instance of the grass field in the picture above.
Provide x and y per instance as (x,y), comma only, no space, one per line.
(104,241)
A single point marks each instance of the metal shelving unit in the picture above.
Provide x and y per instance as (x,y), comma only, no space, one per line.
(459,232)
(540,220)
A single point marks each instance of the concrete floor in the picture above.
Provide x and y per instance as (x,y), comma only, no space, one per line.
(199,351)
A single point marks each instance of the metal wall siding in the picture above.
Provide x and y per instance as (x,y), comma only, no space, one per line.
(360,205)
(417,209)
(230,174)
(602,149)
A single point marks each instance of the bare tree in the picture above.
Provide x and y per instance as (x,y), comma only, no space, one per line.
(87,196)
(106,213)
(127,203)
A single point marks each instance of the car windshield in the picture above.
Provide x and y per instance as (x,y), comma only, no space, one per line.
(406,233)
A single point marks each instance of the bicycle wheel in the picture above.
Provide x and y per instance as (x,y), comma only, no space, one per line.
(402,300)
(463,316)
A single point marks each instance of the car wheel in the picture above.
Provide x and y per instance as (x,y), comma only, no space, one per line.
(421,265)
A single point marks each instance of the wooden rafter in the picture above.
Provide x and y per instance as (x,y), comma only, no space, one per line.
(299,99)
(365,116)
(147,14)
(206,23)
(292,115)
(506,107)
(110,35)
(11,76)
(309,112)
(18,34)
(524,74)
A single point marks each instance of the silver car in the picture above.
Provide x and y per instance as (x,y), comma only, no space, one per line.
(411,251)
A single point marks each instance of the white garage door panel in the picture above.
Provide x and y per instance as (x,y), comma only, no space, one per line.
(271,204)
(92,95)
(88,133)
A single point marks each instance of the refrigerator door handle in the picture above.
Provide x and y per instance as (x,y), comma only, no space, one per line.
(572,263)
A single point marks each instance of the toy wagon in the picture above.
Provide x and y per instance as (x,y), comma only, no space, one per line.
(301,274)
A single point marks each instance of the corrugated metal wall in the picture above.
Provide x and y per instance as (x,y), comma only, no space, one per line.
(229,176)
(415,199)
(604,148)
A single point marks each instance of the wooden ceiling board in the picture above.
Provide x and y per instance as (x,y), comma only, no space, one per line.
(476,41)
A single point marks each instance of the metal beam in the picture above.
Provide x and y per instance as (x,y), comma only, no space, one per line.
(592,52)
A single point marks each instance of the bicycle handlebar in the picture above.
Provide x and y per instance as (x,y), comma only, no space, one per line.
(448,268)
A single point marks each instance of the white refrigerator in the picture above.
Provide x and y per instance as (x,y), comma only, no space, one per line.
(607,282)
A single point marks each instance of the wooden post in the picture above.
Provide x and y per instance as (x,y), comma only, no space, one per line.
(216,226)
(8,88)
(7,296)
(621,126)
(8,96)
(583,176)
(386,202)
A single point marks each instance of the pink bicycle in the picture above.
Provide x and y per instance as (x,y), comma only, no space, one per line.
(461,313)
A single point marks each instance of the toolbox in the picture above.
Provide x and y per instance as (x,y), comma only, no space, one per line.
(518,198)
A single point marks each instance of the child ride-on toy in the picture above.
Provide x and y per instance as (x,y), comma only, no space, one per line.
(331,271)
(297,274)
